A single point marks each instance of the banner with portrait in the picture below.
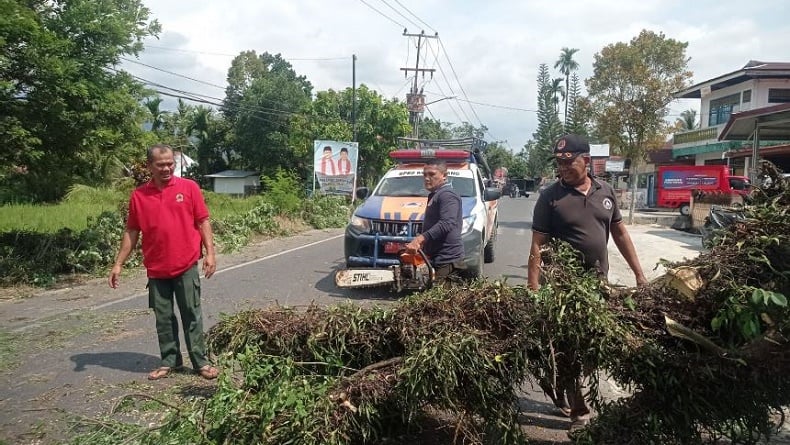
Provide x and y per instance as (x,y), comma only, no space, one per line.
(335,166)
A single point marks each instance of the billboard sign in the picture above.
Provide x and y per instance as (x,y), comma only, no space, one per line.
(335,166)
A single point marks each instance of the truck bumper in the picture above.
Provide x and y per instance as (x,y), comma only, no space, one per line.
(366,250)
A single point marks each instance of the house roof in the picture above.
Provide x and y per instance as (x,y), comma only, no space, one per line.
(774,123)
(233,174)
(753,69)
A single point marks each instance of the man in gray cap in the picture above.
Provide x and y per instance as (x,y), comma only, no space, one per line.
(582,211)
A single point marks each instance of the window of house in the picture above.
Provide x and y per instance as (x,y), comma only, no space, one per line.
(778,95)
(722,108)
(746,96)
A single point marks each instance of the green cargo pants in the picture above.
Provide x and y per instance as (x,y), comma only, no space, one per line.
(186,289)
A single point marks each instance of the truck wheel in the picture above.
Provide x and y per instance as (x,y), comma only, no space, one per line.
(476,272)
(685,209)
(489,254)
(489,251)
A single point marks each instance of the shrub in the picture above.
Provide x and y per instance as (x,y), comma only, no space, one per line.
(284,192)
(323,212)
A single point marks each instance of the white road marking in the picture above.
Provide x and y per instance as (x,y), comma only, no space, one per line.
(36,322)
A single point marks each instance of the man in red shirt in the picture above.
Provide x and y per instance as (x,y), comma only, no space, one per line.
(172,216)
(344,163)
(327,166)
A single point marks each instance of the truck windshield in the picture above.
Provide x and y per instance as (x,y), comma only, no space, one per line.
(413,186)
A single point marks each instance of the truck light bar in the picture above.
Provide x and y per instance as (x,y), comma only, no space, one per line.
(429,153)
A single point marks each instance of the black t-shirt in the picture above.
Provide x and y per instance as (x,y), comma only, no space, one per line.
(442,226)
(584,221)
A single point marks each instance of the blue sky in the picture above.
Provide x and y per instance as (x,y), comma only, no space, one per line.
(494,47)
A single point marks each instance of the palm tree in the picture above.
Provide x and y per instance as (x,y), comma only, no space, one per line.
(567,65)
(198,123)
(687,120)
(557,91)
(157,115)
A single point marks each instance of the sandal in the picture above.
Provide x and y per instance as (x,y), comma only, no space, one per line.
(562,411)
(160,373)
(208,372)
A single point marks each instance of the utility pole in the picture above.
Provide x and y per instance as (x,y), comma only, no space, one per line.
(415,100)
(354,97)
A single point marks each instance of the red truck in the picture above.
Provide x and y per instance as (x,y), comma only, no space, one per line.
(675,184)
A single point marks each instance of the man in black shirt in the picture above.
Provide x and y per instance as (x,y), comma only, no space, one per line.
(582,211)
(441,231)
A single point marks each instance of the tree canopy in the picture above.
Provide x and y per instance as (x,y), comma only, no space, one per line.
(64,109)
(631,88)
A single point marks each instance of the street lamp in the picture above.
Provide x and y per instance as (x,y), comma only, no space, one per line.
(418,116)
(439,100)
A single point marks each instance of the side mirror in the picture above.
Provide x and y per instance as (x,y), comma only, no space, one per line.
(492,194)
(362,192)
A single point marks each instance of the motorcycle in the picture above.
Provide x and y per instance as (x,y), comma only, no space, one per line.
(719,218)
(514,191)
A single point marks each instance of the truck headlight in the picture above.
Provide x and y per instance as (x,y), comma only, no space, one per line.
(469,222)
(361,224)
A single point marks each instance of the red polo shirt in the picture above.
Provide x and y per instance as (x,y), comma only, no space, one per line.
(169,220)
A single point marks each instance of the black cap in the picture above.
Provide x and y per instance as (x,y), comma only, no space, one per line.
(570,145)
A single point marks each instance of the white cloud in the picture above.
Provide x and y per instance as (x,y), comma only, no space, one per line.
(495,47)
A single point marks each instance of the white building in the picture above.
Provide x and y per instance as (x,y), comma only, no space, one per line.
(236,182)
(749,97)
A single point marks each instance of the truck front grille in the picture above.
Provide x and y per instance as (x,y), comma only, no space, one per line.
(396,228)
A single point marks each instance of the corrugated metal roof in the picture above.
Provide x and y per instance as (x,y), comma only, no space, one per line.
(752,69)
(233,174)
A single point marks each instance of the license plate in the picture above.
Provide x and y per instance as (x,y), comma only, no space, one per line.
(392,247)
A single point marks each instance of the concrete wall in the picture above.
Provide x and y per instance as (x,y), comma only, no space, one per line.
(235,186)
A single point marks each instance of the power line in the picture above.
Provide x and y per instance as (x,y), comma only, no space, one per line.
(209,53)
(399,13)
(190,78)
(415,16)
(210,100)
(383,15)
(447,56)
(172,73)
(447,82)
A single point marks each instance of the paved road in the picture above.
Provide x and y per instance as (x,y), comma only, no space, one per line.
(87,345)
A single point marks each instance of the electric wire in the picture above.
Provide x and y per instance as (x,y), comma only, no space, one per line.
(172,73)
(383,15)
(415,16)
(209,53)
(399,13)
(447,56)
(447,82)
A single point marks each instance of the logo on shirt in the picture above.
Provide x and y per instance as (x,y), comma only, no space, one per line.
(607,204)
(179,197)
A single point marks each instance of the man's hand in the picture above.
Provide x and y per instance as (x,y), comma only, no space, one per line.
(115,275)
(209,265)
(415,244)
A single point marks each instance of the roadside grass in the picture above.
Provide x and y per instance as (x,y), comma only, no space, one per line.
(47,245)
(84,202)
(9,351)
(51,218)
(223,206)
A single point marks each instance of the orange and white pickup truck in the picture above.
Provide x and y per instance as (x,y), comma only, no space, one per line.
(392,213)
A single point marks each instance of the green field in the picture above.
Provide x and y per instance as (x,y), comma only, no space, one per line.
(73,212)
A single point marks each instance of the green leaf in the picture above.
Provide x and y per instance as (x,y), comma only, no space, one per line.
(778,299)
(758,296)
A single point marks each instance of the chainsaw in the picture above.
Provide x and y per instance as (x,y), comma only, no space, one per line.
(414,272)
